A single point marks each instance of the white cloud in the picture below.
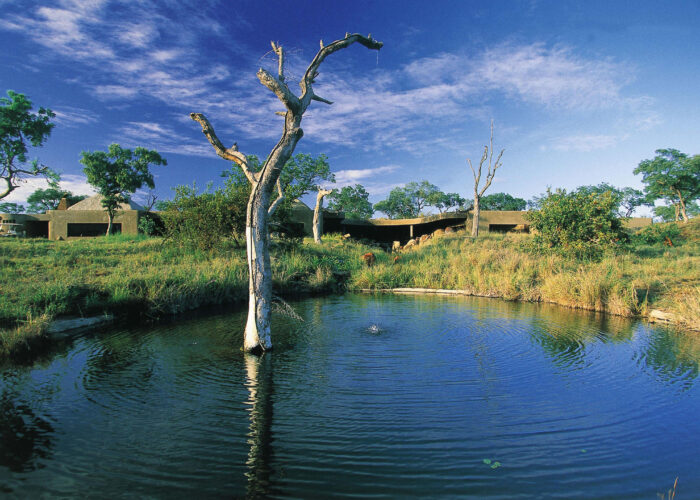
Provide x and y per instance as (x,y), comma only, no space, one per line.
(76,184)
(583,143)
(72,117)
(354,176)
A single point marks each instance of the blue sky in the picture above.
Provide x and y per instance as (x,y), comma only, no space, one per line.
(580,92)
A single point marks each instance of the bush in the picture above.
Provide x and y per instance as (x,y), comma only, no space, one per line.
(151,224)
(203,221)
(658,234)
(577,223)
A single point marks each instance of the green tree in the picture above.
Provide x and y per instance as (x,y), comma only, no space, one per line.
(409,201)
(398,205)
(118,173)
(672,176)
(42,200)
(19,128)
(11,208)
(354,201)
(576,222)
(628,199)
(669,213)
(502,201)
(445,201)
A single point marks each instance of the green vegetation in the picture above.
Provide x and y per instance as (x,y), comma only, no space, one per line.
(625,282)
(580,224)
(42,200)
(41,279)
(118,173)
(149,277)
(409,201)
(19,127)
(353,201)
(672,176)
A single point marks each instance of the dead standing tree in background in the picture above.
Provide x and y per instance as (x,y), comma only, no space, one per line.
(488,154)
(257,330)
(318,213)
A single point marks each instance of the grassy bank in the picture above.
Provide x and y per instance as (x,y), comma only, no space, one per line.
(627,283)
(144,277)
(139,276)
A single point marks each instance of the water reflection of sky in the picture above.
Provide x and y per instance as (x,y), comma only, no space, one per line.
(406,396)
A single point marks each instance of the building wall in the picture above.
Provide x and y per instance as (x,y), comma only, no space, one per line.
(58,220)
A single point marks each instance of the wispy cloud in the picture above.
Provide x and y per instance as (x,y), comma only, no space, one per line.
(353,176)
(73,117)
(583,143)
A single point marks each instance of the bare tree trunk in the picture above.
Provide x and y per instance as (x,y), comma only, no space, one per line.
(318,214)
(488,154)
(677,208)
(257,331)
(681,203)
(109,223)
(475,215)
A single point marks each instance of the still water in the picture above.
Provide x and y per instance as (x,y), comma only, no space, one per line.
(369,396)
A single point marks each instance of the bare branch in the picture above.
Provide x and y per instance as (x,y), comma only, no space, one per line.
(312,71)
(314,97)
(280,89)
(231,154)
(281,113)
(278,200)
(280,56)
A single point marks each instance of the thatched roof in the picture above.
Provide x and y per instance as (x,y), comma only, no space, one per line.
(95,203)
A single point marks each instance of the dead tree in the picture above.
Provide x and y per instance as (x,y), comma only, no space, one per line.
(318,213)
(488,155)
(263,183)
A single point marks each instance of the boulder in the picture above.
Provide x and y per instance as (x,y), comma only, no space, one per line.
(396,246)
(449,230)
(438,232)
(411,243)
(424,238)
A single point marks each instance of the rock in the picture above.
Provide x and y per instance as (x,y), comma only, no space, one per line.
(396,246)
(449,230)
(438,232)
(424,238)
(346,236)
(662,316)
(411,243)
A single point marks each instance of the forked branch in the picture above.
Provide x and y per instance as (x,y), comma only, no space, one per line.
(231,154)
(278,200)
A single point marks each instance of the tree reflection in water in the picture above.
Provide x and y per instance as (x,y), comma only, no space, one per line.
(260,390)
(24,436)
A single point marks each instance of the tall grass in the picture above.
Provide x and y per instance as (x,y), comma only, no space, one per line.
(42,279)
(626,283)
(143,276)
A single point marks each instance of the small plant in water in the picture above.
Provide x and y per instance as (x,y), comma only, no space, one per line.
(671,492)
(494,464)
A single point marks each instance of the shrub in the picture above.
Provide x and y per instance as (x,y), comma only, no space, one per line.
(582,224)
(658,234)
(150,224)
(205,220)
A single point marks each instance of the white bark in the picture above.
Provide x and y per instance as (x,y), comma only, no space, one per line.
(257,332)
(318,214)
(488,154)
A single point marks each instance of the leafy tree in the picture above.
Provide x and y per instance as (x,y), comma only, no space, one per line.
(576,222)
(409,201)
(118,173)
(628,199)
(42,200)
(398,205)
(19,127)
(11,208)
(354,201)
(672,176)
(502,201)
(669,213)
(445,201)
